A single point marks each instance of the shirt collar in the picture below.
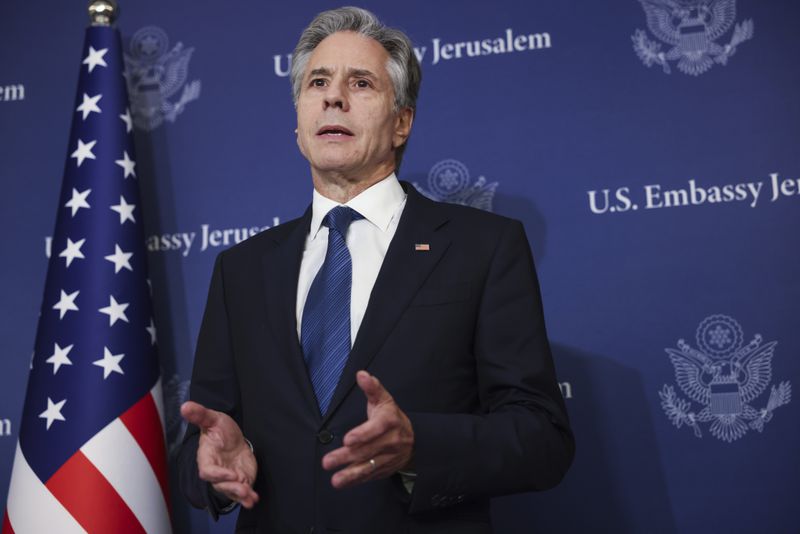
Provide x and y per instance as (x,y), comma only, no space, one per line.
(378,204)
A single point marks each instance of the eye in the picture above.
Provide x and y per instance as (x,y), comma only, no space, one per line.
(317,82)
(363,84)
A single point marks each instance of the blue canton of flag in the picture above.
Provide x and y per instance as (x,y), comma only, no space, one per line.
(91,455)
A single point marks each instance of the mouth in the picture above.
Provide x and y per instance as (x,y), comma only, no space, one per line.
(334,130)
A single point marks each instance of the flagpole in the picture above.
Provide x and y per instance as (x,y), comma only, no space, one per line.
(103,12)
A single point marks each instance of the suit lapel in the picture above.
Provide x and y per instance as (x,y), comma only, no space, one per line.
(281,268)
(402,273)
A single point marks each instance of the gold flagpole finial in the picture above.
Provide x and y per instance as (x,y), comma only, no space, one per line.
(103,12)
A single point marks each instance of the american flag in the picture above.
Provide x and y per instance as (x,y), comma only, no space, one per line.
(91,455)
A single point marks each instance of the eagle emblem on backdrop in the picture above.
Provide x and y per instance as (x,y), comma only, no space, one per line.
(724,376)
(449,181)
(155,75)
(690,29)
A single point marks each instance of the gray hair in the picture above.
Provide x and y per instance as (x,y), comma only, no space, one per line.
(402,67)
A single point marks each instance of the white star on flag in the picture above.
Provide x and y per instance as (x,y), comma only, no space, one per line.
(78,200)
(125,210)
(127,164)
(53,412)
(110,363)
(84,151)
(66,303)
(152,331)
(59,357)
(95,58)
(72,251)
(126,118)
(89,105)
(120,259)
(115,311)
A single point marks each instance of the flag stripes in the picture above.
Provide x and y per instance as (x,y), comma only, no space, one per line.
(105,511)
(119,467)
(143,423)
(32,507)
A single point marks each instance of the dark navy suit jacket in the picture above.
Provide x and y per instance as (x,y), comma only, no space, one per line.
(455,333)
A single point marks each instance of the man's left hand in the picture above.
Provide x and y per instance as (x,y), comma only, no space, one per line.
(378,448)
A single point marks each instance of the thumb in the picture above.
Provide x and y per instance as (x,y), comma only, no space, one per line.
(372,388)
(198,415)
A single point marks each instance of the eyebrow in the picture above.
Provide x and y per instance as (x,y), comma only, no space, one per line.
(320,71)
(325,71)
(363,73)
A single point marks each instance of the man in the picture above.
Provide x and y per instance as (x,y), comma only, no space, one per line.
(379,364)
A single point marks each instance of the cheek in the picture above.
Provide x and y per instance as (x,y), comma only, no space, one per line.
(301,146)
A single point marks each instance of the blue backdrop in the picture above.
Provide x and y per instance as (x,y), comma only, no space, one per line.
(649,148)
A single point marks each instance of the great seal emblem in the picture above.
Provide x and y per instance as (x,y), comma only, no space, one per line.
(155,74)
(690,27)
(724,376)
(449,181)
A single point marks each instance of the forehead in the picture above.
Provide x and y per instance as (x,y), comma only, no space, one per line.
(349,50)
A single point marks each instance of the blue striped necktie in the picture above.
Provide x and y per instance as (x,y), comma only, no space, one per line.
(325,332)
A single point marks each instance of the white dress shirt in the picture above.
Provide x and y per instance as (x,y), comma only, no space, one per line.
(367,239)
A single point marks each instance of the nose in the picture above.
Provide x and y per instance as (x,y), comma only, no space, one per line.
(336,96)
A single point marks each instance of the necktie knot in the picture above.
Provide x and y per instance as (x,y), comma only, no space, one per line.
(340,217)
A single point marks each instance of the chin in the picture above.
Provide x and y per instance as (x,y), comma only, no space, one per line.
(333,162)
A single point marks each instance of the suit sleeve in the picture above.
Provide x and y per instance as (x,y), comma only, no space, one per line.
(214,385)
(521,439)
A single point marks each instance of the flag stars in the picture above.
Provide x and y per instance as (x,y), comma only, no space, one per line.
(125,210)
(120,259)
(78,200)
(115,311)
(110,363)
(127,164)
(95,58)
(66,303)
(84,151)
(152,331)
(89,105)
(126,118)
(60,357)
(53,412)
(72,251)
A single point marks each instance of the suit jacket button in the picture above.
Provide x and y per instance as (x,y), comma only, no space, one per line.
(325,436)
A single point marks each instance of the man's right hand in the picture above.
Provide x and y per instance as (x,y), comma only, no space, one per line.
(224,457)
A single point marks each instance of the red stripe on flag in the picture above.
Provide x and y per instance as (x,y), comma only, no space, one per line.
(144,424)
(7,525)
(92,501)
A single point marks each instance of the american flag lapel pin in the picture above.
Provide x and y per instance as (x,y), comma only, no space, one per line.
(422,247)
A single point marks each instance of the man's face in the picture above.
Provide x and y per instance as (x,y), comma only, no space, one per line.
(346,123)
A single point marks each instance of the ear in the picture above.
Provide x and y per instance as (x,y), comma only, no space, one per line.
(402,126)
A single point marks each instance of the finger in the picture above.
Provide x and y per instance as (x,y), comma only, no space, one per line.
(215,473)
(198,415)
(368,431)
(239,492)
(372,388)
(358,454)
(360,473)
(346,456)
